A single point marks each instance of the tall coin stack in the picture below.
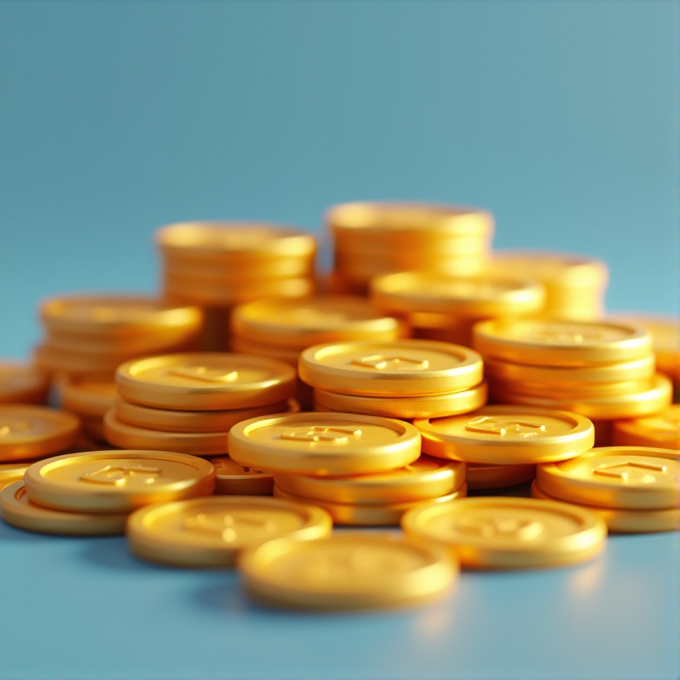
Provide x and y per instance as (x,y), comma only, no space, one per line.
(218,265)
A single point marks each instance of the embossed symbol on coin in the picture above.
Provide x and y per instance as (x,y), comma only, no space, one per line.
(317,433)
(120,475)
(204,374)
(229,527)
(12,427)
(630,471)
(503,426)
(381,362)
(502,527)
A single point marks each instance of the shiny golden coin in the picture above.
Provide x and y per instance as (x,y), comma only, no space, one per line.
(234,271)
(571,392)
(347,570)
(53,359)
(626,477)
(131,437)
(324,443)
(660,430)
(653,399)
(262,349)
(28,432)
(434,406)
(487,476)
(234,479)
(205,381)
(194,421)
(561,343)
(12,472)
(409,368)
(22,384)
(507,435)
(117,481)
(209,532)
(628,521)
(474,296)
(16,509)
(87,395)
(424,478)
(301,323)
(509,533)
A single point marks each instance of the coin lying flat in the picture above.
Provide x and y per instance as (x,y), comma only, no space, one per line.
(234,479)
(494,532)
(324,443)
(488,476)
(625,477)
(209,532)
(347,570)
(12,472)
(660,430)
(87,395)
(22,384)
(16,509)
(117,481)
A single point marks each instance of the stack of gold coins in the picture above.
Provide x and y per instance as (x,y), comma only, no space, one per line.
(22,384)
(602,370)
(379,238)
(575,285)
(661,430)
(188,402)
(94,335)
(218,265)
(441,307)
(93,493)
(89,397)
(400,379)
(633,488)
(363,470)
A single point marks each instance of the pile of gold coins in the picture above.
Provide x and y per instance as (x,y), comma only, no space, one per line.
(89,397)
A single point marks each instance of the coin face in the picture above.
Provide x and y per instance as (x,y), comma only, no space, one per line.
(117,481)
(22,384)
(626,477)
(347,570)
(324,443)
(661,430)
(207,532)
(496,532)
(507,435)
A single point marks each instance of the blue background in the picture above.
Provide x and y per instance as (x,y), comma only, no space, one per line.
(117,117)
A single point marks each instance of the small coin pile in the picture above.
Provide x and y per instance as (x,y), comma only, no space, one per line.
(22,384)
(400,379)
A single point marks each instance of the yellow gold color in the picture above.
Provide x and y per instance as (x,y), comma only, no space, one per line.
(234,479)
(660,430)
(16,509)
(209,532)
(235,272)
(407,367)
(509,533)
(626,477)
(324,443)
(87,395)
(569,392)
(487,476)
(117,481)
(347,570)
(507,435)
(205,381)
(245,346)
(75,362)
(12,472)
(22,384)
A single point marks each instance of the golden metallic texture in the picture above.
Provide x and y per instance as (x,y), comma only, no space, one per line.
(234,479)
(625,477)
(347,570)
(509,533)
(117,481)
(209,532)
(12,472)
(324,443)
(660,430)
(487,476)
(653,399)
(16,509)
(210,381)
(236,271)
(507,435)
(424,478)
(300,323)
(434,406)
(22,384)
(28,432)
(478,297)
(349,246)
(410,368)
(87,395)
(569,391)
(628,521)
(561,343)
(262,349)
(52,359)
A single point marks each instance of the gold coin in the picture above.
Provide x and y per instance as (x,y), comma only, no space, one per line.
(28,432)
(424,478)
(626,477)
(209,532)
(262,349)
(628,521)
(22,384)
(210,381)
(653,399)
(16,509)
(507,435)
(117,481)
(661,430)
(487,476)
(568,392)
(235,271)
(12,472)
(509,533)
(346,570)
(324,443)
(234,479)
(561,343)
(301,323)
(52,359)
(87,395)
(410,368)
